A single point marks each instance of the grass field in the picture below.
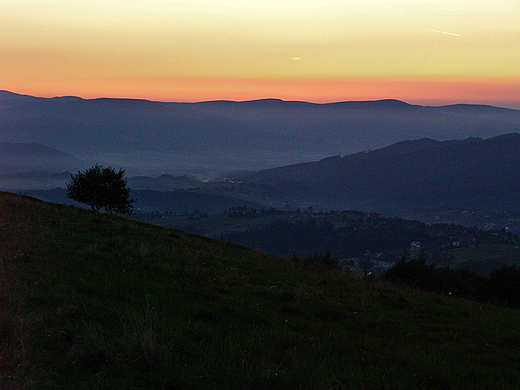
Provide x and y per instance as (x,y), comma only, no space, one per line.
(95,301)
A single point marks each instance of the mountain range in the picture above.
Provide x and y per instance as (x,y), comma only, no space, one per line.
(440,158)
(152,138)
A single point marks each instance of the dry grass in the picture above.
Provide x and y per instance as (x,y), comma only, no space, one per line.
(12,349)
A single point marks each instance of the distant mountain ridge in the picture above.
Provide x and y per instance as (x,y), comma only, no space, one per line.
(149,137)
(6,95)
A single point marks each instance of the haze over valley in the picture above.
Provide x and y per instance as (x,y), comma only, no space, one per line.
(390,157)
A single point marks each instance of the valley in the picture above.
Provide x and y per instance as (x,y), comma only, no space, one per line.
(273,244)
(470,182)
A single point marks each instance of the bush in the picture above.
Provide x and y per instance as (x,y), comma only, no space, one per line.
(413,273)
(441,280)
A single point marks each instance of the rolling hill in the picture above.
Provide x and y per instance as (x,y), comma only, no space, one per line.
(93,300)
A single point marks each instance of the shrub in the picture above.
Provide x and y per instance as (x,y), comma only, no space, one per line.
(441,280)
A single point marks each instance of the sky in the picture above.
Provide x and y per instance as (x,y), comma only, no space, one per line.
(428,52)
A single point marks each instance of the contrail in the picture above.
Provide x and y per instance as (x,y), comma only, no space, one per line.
(437,31)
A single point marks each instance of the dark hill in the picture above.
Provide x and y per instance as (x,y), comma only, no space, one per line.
(92,300)
(471,173)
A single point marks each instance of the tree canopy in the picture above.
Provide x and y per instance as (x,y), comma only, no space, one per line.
(99,188)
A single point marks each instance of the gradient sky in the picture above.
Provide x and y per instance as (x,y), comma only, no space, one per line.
(425,52)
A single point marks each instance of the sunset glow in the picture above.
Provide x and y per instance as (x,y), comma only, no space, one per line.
(425,52)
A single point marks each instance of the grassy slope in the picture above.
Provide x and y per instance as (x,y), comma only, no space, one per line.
(93,301)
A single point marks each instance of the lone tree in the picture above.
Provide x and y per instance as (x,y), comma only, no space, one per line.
(100,188)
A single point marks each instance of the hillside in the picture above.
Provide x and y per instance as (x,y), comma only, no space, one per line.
(98,301)
(478,174)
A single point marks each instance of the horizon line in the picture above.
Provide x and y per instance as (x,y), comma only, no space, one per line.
(445,104)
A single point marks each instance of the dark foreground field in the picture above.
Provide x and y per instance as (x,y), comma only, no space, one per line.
(95,301)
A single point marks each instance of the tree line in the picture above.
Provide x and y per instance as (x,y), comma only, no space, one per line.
(501,286)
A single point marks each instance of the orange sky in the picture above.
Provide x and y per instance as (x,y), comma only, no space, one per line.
(425,52)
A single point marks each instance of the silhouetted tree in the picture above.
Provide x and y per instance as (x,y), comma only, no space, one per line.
(99,188)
